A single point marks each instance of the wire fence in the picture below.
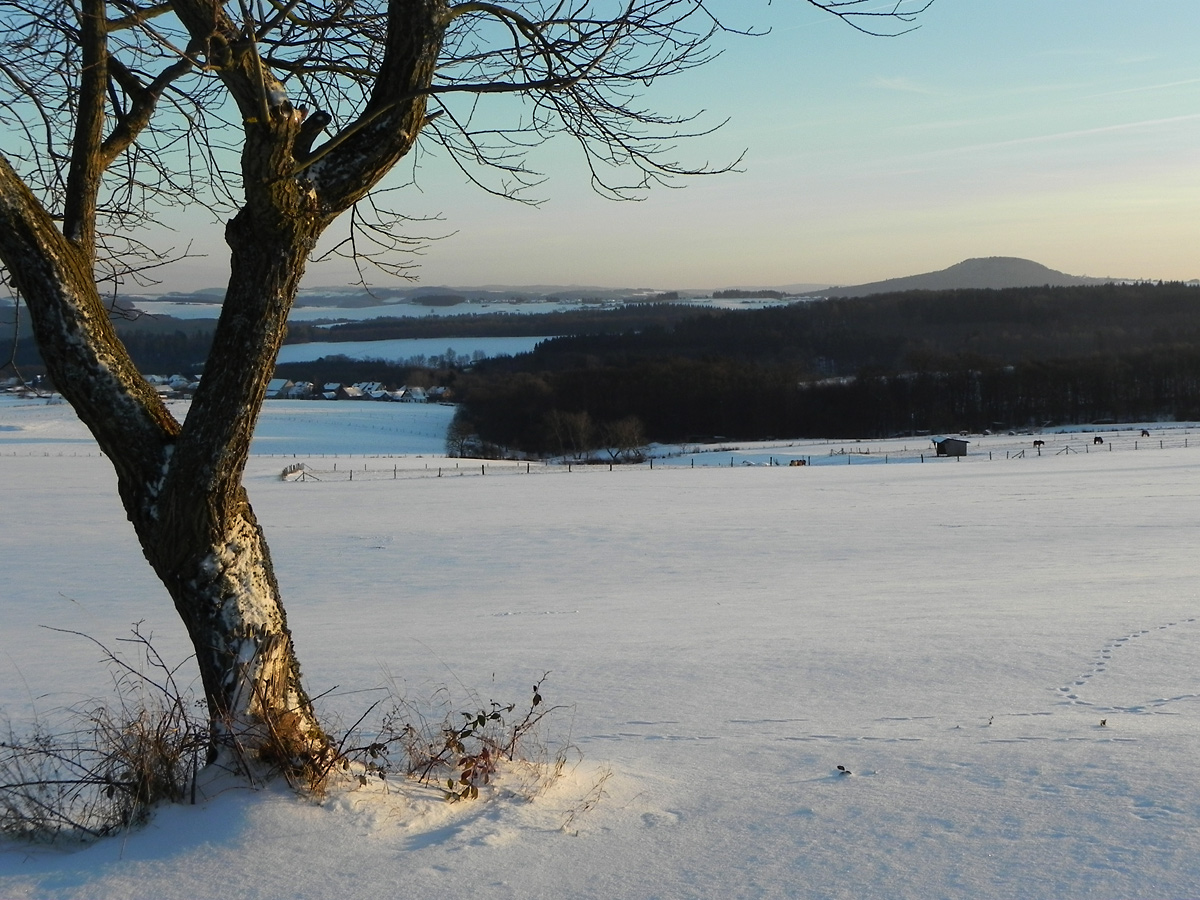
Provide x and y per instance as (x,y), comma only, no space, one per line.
(365,468)
(339,467)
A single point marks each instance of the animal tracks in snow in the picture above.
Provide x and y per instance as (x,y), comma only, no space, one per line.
(661,818)
(1125,666)
(652,731)
(1147,671)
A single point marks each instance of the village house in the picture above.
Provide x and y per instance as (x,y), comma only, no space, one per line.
(279,388)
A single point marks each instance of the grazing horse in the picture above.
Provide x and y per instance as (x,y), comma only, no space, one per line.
(1145,433)
(1097,440)
(1039,443)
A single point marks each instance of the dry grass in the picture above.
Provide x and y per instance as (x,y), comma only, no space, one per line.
(103,765)
(104,768)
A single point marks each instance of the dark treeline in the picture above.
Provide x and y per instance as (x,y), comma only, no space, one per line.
(869,367)
(632,317)
(167,352)
(914,330)
(343,370)
(735,294)
(692,400)
(157,352)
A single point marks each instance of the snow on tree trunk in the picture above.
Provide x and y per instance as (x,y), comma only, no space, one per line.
(229,600)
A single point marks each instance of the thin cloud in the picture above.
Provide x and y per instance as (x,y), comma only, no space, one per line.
(1060,136)
(904,85)
(1166,85)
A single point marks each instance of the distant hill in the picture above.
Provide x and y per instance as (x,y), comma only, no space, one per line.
(994,272)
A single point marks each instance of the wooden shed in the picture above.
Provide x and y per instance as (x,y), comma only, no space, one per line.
(951,446)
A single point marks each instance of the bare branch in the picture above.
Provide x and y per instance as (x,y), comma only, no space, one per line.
(83,179)
(856,12)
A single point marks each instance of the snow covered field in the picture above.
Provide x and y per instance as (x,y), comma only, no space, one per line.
(952,633)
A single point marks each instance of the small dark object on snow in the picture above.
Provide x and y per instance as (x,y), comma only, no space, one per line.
(842,770)
(1103,722)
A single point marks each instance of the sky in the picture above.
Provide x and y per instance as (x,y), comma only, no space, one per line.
(1064,132)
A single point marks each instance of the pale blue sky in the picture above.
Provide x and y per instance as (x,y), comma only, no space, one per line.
(1064,131)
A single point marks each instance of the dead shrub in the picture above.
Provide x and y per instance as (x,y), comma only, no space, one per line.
(107,765)
(102,766)
(457,750)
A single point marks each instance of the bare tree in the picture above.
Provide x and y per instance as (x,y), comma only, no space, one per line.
(461,435)
(625,439)
(282,115)
(574,432)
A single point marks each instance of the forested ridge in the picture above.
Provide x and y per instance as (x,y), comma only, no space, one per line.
(911,330)
(865,367)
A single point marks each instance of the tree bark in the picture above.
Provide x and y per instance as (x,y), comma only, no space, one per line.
(224,589)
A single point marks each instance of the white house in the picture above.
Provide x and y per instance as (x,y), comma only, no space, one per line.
(279,388)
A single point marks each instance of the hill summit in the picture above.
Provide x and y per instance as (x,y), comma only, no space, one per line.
(986,272)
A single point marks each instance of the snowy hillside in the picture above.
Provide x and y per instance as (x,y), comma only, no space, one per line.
(953,634)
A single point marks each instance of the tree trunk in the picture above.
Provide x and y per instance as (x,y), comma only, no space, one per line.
(224,589)
(206,543)
(181,486)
